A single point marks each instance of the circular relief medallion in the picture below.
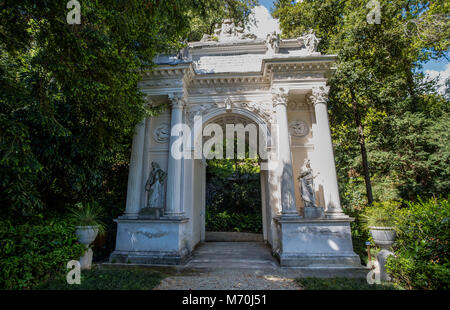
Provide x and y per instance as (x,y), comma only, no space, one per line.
(162,133)
(298,128)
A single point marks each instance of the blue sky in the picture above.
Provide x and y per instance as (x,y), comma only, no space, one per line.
(432,67)
(267,3)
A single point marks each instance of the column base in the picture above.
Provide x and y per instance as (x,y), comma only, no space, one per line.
(336,215)
(313,212)
(150,241)
(318,242)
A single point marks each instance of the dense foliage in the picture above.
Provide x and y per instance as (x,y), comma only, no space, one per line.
(33,252)
(103,278)
(69,96)
(233,198)
(422,250)
(341,284)
(389,125)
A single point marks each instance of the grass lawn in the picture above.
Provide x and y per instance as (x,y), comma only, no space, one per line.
(101,278)
(342,284)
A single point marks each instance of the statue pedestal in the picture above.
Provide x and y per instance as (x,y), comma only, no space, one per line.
(150,241)
(313,212)
(316,243)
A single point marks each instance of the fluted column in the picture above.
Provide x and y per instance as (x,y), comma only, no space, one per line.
(134,189)
(288,207)
(174,173)
(325,153)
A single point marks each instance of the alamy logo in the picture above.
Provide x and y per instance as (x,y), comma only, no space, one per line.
(374,16)
(74,274)
(373,277)
(74,15)
(208,142)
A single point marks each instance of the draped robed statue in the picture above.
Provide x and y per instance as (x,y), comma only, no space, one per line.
(155,187)
(306,179)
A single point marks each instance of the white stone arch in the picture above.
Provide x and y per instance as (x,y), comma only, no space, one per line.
(219,112)
(200,165)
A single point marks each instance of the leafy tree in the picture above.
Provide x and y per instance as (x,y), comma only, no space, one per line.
(69,95)
(377,90)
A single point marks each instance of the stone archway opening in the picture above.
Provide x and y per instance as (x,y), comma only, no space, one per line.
(233,210)
(234,204)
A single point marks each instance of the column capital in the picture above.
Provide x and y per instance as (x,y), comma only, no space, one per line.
(279,96)
(177,100)
(319,95)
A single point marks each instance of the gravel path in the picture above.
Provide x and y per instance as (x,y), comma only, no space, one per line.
(229,280)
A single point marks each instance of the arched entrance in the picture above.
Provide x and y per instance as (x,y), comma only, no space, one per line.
(248,121)
(231,250)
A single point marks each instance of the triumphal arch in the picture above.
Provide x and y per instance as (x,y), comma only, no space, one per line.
(232,77)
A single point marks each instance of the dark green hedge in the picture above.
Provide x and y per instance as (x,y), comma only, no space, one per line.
(31,253)
(224,221)
(233,196)
(422,245)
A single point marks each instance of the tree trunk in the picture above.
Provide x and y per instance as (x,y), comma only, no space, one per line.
(362,145)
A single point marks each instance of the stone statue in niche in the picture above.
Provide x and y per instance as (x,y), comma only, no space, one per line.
(155,189)
(310,41)
(306,179)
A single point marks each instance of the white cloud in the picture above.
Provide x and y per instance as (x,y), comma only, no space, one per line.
(265,23)
(443,75)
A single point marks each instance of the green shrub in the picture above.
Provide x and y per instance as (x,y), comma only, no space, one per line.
(31,253)
(101,278)
(239,222)
(380,214)
(233,196)
(422,251)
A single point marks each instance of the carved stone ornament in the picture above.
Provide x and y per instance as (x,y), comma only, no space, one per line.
(228,104)
(228,31)
(279,96)
(162,133)
(273,43)
(310,41)
(177,100)
(199,110)
(298,128)
(319,95)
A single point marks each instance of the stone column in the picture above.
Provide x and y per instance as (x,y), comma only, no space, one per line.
(288,207)
(325,154)
(146,161)
(174,173)
(134,190)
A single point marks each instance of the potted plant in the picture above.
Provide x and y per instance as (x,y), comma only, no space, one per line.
(380,221)
(88,226)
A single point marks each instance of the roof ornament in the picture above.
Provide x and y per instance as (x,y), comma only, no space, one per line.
(310,41)
(273,43)
(228,31)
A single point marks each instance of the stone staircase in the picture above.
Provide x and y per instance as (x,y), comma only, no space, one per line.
(232,255)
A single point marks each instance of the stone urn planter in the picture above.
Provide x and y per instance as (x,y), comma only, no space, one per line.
(86,235)
(87,218)
(383,237)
